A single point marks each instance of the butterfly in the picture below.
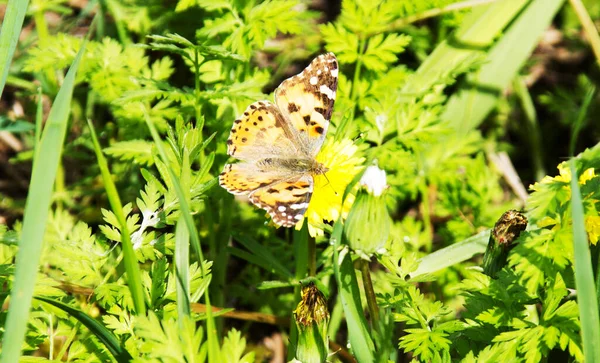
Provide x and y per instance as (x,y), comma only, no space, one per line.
(277,143)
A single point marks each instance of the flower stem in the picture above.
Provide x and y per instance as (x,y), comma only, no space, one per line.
(369,293)
(426,215)
(354,90)
(312,256)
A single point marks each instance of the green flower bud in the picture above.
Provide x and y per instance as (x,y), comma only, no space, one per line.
(368,224)
(312,320)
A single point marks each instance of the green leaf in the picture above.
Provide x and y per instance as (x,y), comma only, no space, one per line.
(381,52)
(213,344)
(584,274)
(360,339)
(182,261)
(9,35)
(14,126)
(260,256)
(139,151)
(341,42)
(476,32)
(467,109)
(234,346)
(124,224)
(45,166)
(103,334)
(453,254)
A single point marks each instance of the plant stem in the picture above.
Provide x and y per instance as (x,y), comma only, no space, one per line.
(426,215)
(436,12)
(197,107)
(300,241)
(588,27)
(532,126)
(369,293)
(312,256)
(361,46)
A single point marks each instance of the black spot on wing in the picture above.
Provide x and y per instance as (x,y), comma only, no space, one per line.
(292,107)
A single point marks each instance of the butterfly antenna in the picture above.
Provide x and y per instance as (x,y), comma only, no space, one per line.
(329,183)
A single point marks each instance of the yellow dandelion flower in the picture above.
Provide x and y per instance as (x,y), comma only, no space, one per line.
(340,158)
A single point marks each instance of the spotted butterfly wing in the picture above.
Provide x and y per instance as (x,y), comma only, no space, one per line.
(285,201)
(307,99)
(277,143)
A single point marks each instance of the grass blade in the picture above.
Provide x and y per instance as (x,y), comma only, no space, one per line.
(182,264)
(584,275)
(587,299)
(533,128)
(467,109)
(9,35)
(588,27)
(358,333)
(186,214)
(453,254)
(477,31)
(46,163)
(104,335)
(134,277)
(260,256)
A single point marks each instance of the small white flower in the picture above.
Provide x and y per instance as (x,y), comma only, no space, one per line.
(374,179)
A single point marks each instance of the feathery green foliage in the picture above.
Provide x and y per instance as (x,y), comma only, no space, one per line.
(427,100)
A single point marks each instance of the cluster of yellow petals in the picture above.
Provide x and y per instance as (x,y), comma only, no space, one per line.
(592,223)
(340,158)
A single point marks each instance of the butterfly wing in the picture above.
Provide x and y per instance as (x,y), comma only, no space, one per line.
(307,99)
(245,177)
(294,128)
(260,132)
(285,201)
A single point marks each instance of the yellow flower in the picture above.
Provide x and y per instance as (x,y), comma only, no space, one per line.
(592,227)
(589,174)
(326,202)
(565,174)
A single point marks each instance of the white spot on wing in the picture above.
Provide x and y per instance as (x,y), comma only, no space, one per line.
(281,208)
(327,92)
(313,81)
(334,72)
(299,206)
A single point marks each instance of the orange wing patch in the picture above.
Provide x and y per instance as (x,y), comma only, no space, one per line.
(260,125)
(307,99)
(286,201)
(241,178)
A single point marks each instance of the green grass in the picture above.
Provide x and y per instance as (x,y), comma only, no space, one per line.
(126,237)
(9,36)
(46,163)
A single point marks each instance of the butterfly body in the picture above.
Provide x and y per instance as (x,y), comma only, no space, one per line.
(277,144)
(295,165)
